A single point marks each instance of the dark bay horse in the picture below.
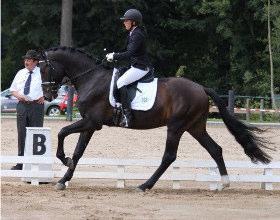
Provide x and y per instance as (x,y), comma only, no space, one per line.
(181,105)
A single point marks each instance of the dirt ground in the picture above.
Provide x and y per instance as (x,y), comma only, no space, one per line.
(90,199)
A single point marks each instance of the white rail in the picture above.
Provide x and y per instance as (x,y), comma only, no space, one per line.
(120,172)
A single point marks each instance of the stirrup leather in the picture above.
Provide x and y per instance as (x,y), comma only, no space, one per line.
(117,115)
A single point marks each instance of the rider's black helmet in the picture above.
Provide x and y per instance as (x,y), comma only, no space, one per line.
(132,14)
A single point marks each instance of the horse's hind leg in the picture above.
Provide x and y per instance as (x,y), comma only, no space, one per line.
(170,154)
(79,150)
(216,153)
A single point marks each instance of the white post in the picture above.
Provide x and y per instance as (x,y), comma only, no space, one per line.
(37,144)
(176,183)
(120,181)
(267,186)
(35,168)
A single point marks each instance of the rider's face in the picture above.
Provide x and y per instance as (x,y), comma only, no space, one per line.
(128,24)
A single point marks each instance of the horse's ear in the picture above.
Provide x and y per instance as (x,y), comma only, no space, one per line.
(39,53)
(42,54)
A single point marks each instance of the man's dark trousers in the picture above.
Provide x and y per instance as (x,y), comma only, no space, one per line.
(28,115)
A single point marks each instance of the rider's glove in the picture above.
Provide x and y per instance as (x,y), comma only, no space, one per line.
(110,57)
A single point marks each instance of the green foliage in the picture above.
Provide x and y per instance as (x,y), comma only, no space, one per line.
(267,117)
(26,25)
(219,44)
(7,64)
(180,72)
(275,38)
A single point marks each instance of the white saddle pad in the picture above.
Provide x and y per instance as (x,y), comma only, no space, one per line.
(145,95)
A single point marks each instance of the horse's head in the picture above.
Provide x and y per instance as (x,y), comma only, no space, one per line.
(59,63)
(52,74)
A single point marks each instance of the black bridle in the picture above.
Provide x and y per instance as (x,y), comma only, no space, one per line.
(51,82)
(49,85)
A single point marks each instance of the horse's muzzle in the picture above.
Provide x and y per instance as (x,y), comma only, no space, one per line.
(49,99)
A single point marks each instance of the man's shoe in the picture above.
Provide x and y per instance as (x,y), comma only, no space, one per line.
(17,167)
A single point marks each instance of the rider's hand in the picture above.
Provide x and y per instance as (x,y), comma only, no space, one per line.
(110,57)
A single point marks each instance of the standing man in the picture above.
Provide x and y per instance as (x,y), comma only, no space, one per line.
(26,87)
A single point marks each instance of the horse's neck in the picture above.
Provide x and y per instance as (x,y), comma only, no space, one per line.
(95,83)
(87,77)
(75,66)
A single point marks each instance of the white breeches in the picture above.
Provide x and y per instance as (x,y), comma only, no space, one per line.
(131,75)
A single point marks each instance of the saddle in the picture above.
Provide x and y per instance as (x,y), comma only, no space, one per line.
(132,88)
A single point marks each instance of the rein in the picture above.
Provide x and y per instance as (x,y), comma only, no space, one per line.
(83,73)
(87,71)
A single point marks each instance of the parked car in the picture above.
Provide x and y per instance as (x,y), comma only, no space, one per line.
(63,103)
(9,102)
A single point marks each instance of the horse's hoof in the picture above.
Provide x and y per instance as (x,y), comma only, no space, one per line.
(142,188)
(69,163)
(138,189)
(60,186)
(221,187)
(225,183)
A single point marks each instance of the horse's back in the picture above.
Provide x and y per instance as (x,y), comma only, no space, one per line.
(182,89)
(181,84)
(182,98)
(178,100)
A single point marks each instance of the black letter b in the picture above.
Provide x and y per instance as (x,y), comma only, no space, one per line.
(39,140)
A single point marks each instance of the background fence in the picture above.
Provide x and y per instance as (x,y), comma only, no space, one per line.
(253,107)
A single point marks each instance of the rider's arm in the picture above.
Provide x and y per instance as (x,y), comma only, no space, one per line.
(136,39)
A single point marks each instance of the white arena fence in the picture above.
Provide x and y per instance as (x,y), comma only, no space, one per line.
(267,175)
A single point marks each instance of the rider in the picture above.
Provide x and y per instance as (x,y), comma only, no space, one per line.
(136,52)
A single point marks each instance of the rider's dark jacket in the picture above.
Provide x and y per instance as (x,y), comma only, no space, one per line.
(135,50)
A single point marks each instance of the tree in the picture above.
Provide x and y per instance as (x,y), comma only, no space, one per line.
(29,24)
(220,44)
(275,47)
(270,56)
(66,23)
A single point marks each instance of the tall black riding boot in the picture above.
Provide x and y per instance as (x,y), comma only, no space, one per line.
(127,116)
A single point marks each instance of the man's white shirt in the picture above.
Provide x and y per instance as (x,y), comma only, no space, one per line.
(18,83)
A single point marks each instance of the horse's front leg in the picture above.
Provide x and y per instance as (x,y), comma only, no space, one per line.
(79,126)
(78,153)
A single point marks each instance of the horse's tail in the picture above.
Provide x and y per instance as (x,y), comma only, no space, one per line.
(243,133)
